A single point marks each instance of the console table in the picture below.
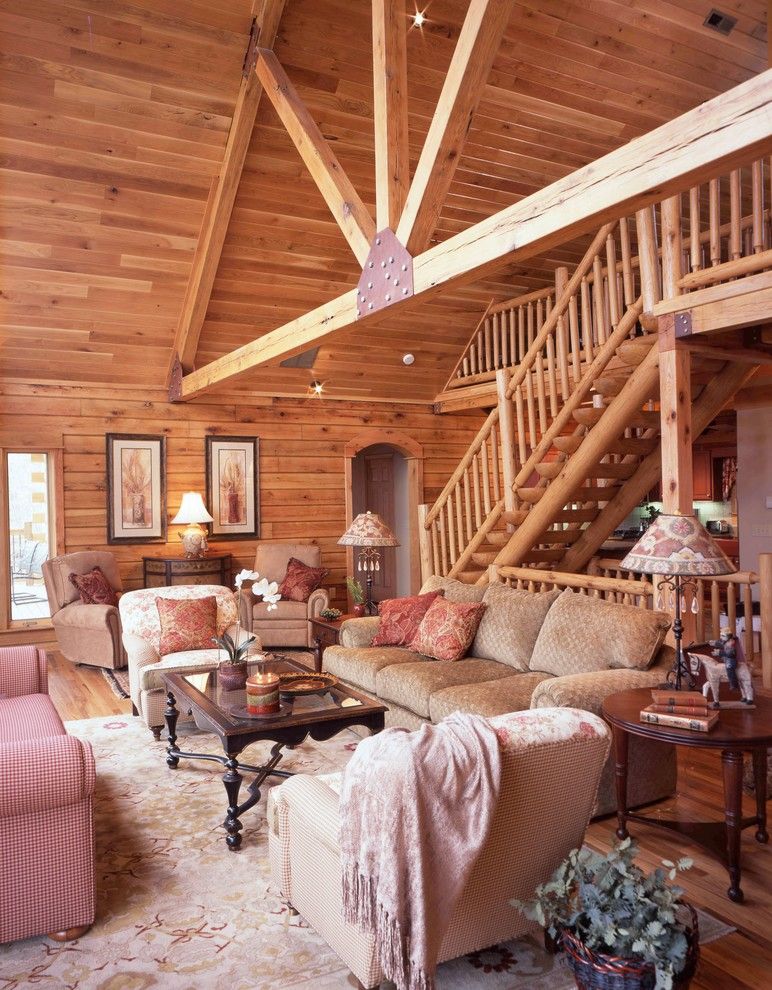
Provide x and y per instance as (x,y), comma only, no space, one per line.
(161,572)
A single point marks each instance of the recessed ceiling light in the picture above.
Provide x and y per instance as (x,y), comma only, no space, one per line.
(419,18)
(316,388)
(408,358)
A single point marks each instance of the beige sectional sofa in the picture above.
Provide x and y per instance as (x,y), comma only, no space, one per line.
(533,649)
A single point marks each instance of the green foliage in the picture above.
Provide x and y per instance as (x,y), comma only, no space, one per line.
(331,614)
(613,907)
(236,654)
(355,590)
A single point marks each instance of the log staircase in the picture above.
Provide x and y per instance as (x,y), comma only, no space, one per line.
(572,443)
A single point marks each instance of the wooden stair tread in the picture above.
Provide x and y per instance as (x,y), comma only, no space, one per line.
(513,518)
(495,539)
(622,470)
(560,536)
(590,415)
(632,352)
(594,493)
(530,495)
(483,559)
(469,577)
(545,555)
(550,469)
(567,444)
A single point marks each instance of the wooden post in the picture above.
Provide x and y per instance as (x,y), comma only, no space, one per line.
(647,259)
(424,539)
(506,439)
(675,400)
(765,592)
(672,253)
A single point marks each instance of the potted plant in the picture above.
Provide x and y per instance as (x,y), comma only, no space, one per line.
(357,595)
(232,672)
(618,926)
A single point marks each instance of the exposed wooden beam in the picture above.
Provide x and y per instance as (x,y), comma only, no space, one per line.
(722,352)
(467,75)
(392,153)
(351,214)
(221,198)
(729,306)
(734,127)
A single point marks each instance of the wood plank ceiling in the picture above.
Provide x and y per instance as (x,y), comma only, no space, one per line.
(114,120)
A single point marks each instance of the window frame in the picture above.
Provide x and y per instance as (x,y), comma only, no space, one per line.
(56,523)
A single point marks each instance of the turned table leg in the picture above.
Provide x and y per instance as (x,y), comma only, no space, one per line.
(620,779)
(317,655)
(232,780)
(732,763)
(760,785)
(170,717)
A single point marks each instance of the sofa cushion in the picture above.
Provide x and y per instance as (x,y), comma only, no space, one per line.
(455,591)
(94,588)
(511,624)
(401,617)
(31,716)
(296,611)
(507,694)
(186,623)
(360,666)
(85,617)
(583,634)
(411,685)
(447,629)
(300,580)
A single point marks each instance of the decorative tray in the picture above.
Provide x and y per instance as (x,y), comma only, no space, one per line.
(297,684)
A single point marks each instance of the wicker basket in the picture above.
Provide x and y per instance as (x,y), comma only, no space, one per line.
(597,971)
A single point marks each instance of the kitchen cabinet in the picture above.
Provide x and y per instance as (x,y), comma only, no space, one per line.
(702,475)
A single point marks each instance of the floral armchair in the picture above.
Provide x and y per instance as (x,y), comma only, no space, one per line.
(142,641)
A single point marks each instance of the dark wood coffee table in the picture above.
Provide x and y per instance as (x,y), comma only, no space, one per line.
(738,731)
(319,716)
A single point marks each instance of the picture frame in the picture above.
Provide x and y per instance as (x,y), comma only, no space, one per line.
(233,487)
(136,488)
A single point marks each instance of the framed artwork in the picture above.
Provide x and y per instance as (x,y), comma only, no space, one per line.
(232,487)
(136,488)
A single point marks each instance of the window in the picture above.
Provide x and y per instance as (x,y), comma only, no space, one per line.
(30,481)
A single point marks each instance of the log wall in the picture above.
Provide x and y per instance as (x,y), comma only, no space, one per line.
(301,461)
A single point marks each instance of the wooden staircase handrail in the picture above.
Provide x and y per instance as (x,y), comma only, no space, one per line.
(560,307)
(488,524)
(483,434)
(523,300)
(472,338)
(592,582)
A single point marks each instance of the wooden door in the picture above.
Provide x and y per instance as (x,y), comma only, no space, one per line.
(379,497)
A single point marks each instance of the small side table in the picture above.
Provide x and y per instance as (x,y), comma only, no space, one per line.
(162,572)
(324,633)
(738,731)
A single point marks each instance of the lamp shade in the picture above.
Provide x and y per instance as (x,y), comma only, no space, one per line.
(368,530)
(192,510)
(677,545)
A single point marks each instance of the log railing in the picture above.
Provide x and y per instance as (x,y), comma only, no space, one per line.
(629,591)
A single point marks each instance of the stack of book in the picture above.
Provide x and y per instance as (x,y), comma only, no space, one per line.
(681,709)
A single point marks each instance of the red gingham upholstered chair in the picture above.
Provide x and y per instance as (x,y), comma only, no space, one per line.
(46,811)
(551,765)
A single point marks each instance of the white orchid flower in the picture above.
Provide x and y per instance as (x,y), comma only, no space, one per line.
(245,575)
(269,591)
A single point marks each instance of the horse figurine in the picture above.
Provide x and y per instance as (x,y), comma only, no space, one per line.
(729,666)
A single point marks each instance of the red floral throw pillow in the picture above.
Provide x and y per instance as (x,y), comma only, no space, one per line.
(401,617)
(187,623)
(94,588)
(448,628)
(300,580)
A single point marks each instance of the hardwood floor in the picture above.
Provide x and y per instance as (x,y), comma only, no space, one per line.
(741,961)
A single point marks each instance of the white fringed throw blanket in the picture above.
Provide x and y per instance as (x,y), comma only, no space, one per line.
(415,811)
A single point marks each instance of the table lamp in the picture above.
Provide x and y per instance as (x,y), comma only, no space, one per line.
(680,549)
(369,532)
(192,513)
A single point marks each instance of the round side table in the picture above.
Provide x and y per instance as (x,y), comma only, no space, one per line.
(738,731)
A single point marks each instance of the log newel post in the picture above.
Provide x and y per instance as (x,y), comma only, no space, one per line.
(506,439)
(765,594)
(649,263)
(425,541)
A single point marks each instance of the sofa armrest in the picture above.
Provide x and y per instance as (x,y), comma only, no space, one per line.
(317,602)
(23,670)
(589,691)
(41,774)
(359,632)
(314,803)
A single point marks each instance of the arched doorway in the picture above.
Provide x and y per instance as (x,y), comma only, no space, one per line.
(384,473)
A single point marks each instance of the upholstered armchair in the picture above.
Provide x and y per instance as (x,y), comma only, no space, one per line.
(85,633)
(289,623)
(551,765)
(46,809)
(142,640)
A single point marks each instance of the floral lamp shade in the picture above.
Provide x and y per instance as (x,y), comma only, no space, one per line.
(677,545)
(368,530)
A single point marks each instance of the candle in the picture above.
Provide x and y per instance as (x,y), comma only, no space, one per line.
(263,694)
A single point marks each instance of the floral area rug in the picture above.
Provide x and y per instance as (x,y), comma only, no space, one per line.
(177,911)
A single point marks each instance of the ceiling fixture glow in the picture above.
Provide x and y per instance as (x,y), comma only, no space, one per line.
(316,388)
(419,18)
(408,358)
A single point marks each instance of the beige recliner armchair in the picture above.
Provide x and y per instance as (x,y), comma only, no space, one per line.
(551,764)
(289,623)
(85,633)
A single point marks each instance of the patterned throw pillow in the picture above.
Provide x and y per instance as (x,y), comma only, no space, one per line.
(401,617)
(187,624)
(448,628)
(581,635)
(300,580)
(94,588)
